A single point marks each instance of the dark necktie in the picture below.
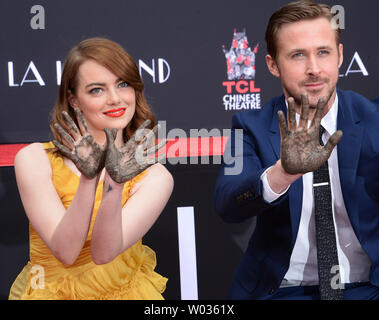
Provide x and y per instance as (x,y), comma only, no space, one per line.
(327,257)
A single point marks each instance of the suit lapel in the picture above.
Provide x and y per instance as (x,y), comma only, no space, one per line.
(295,192)
(274,127)
(348,151)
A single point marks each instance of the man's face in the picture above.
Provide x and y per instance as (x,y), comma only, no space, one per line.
(307,61)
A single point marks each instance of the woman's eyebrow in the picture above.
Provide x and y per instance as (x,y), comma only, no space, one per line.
(95,84)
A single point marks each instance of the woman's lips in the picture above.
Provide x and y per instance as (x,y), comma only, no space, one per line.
(115,113)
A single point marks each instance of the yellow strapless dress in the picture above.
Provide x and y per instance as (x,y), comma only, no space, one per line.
(130,276)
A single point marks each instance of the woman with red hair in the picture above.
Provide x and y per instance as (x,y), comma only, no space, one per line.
(94,192)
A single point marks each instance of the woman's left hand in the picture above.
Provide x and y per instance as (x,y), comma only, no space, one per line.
(125,162)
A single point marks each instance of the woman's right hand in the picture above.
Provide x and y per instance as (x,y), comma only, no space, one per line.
(125,162)
(80,146)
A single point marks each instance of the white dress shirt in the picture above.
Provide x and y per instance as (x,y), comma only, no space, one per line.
(353,261)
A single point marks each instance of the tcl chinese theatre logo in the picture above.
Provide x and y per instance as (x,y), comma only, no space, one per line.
(240,90)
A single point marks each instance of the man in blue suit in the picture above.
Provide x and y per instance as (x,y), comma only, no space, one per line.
(281,155)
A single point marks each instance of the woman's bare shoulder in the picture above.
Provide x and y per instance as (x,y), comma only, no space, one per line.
(159,172)
(156,176)
(33,155)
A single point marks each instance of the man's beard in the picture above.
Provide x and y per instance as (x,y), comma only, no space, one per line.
(312,104)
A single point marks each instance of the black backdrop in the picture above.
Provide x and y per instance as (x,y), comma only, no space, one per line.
(178,46)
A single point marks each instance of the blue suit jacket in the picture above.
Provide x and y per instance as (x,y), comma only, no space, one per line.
(238,197)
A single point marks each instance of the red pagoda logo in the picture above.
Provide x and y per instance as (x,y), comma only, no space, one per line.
(240,59)
(241,92)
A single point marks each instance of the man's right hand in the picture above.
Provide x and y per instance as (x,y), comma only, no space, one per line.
(300,150)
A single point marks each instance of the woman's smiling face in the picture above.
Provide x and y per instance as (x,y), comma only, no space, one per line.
(105,100)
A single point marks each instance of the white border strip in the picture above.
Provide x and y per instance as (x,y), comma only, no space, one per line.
(187,253)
